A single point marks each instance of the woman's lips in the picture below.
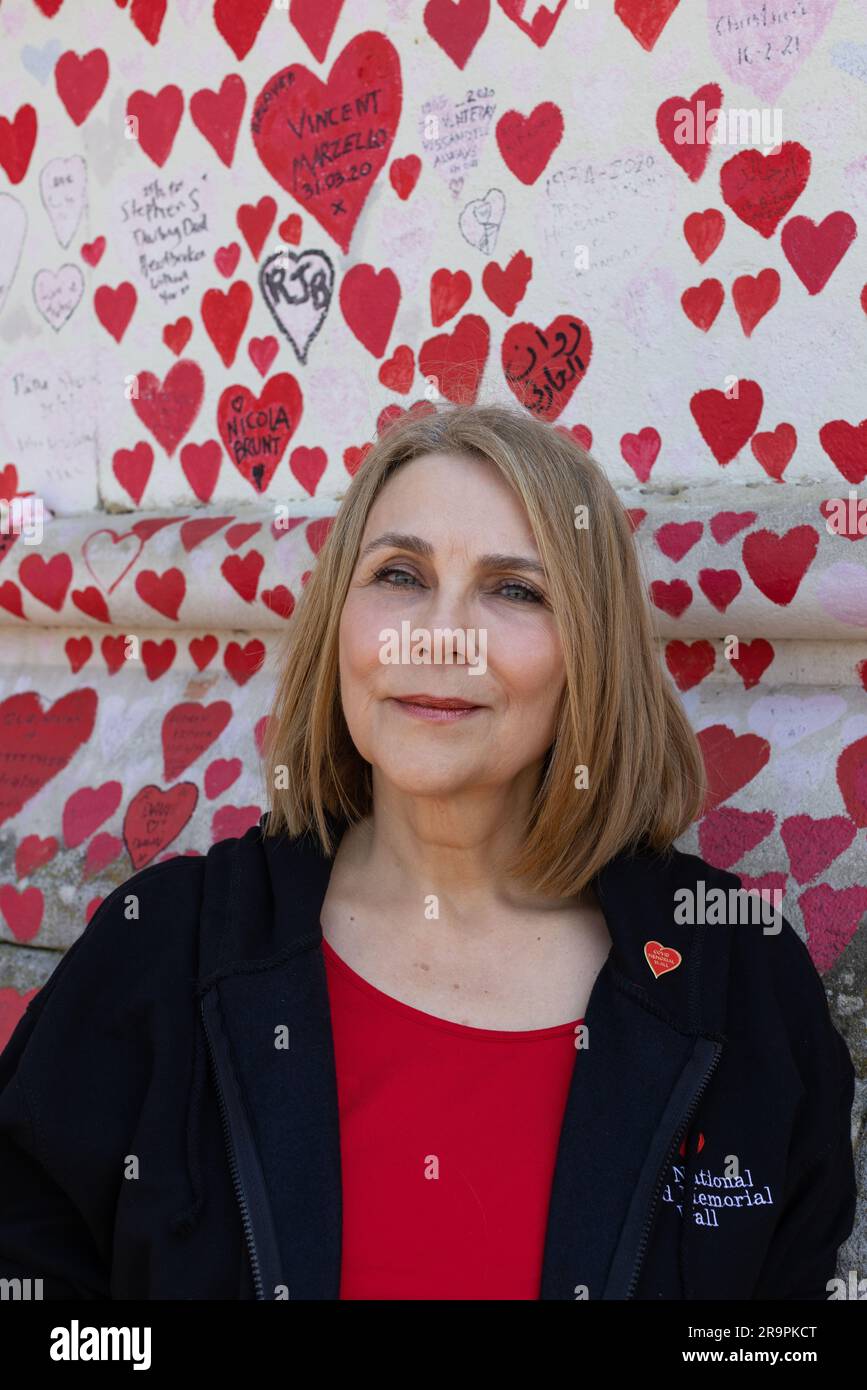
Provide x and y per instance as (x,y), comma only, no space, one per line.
(437,711)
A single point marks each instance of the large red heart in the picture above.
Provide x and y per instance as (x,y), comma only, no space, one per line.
(81,82)
(325,142)
(761,188)
(154,818)
(544,366)
(36,744)
(188,729)
(168,409)
(814,252)
(255,431)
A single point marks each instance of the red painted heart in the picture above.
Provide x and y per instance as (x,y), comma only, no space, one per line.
(325,142)
(256,430)
(543,367)
(155,818)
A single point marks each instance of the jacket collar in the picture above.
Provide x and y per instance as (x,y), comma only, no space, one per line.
(652,1044)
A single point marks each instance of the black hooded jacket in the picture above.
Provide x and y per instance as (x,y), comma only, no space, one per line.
(155,1144)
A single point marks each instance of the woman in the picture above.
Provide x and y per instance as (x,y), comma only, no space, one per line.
(443,1025)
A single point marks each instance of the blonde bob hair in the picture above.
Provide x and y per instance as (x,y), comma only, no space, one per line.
(618,717)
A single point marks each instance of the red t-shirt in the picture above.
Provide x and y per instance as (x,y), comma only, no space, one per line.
(448,1139)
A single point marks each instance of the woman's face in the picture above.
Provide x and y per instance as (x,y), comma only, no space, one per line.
(448,545)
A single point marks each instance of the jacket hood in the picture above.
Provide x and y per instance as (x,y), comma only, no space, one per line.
(262,896)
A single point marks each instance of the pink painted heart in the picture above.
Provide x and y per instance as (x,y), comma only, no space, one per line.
(727,834)
(841,590)
(814,844)
(831,917)
(86,809)
(220,775)
(765,56)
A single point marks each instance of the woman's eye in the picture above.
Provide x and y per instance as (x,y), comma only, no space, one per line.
(522,593)
(525,592)
(385,576)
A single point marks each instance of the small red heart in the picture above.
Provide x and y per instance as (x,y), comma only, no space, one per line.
(704,232)
(92,251)
(255,221)
(694,117)
(506,288)
(752,660)
(157,657)
(398,370)
(262,352)
(449,293)
(290,229)
(176,335)
(203,650)
(403,175)
(754,295)
(702,303)
(727,524)
(279,600)
(243,662)
(226,259)
(689,662)
(720,587)
(774,449)
(201,467)
(32,853)
(677,538)
(672,598)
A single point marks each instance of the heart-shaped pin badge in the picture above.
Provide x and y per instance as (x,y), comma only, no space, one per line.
(661,958)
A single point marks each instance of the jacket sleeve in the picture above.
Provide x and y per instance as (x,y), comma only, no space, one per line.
(43,1233)
(819,1199)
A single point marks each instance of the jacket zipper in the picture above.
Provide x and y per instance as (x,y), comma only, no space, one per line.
(249,1235)
(681,1129)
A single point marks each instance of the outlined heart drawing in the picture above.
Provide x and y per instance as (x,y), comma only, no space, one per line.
(110,555)
(297,287)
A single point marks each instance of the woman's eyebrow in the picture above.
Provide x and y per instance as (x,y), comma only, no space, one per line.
(398,540)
